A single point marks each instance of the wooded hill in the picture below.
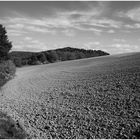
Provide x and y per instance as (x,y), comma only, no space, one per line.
(63,54)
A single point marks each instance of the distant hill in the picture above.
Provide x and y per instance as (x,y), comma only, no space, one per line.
(21,58)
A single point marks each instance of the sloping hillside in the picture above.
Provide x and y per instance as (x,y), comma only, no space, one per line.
(87,98)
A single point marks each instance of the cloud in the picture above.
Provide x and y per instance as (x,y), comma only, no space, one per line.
(134,14)
(72,15)
(93,45)
(111,31)
(15,29)
(105,22)
(89,20)
(88,28)
(69,32)
(14,32)
(25,24)
(27,38)
(68,20)
(16,26)
(35,42)
(128,26)
(32,45)
(96,43)
(72,23)
(11,33)
(70,6)
(96,31)
(132,26)
(36,29)
(123,48)
(119,40)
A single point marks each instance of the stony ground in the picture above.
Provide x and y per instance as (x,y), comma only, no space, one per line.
(89,98)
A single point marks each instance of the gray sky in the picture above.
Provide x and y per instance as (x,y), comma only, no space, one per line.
(36,26)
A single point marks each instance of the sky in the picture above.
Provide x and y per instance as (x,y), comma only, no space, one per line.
(111,26)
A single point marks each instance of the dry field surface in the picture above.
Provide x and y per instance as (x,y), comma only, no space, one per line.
(89,98)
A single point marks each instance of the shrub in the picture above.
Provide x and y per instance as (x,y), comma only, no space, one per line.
(17,62)
(24,62)
(7,71)
(11,129)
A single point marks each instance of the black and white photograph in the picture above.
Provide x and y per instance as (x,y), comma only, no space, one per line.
(69,69)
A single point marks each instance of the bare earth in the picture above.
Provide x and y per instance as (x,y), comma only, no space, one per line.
(89,98)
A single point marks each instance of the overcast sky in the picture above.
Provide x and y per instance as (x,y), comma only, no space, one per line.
(36,26)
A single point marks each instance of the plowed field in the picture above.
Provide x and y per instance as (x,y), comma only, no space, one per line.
(87,98)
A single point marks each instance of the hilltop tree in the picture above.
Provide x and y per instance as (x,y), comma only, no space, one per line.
(33,60)
(5,44)
(41,57)
(51,56)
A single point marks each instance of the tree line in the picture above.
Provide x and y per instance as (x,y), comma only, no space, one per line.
(51,56)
